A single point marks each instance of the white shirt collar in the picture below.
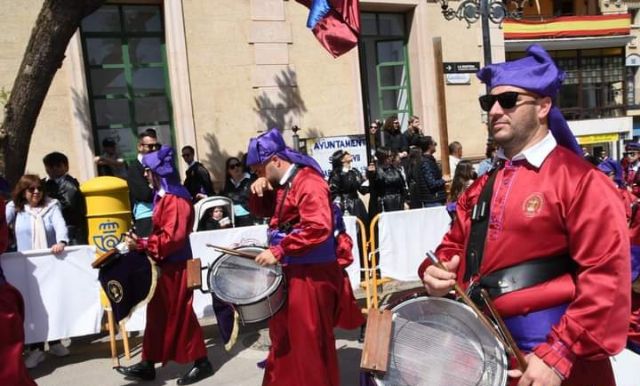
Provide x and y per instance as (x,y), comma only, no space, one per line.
(287,175)
(161,192)
(536,154)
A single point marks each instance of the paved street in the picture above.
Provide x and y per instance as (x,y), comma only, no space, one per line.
(90,362)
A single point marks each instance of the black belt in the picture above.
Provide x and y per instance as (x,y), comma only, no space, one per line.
(520,276)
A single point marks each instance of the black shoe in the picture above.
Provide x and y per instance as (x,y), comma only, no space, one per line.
(362,332)
(143,371)
(200,370)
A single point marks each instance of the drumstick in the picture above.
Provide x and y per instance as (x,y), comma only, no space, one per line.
(511,343)
(232,252)
(467,300)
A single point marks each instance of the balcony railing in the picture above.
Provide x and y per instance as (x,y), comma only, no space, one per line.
(568,26)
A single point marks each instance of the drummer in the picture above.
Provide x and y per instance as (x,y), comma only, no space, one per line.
(554,224)
(172,331)
(292,191)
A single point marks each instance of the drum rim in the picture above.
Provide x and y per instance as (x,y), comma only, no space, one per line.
(216,290)
(419,297)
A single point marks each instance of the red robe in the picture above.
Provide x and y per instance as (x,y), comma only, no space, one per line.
(172,331)
(303,348)
(634,232)
(564,207)
(12,371)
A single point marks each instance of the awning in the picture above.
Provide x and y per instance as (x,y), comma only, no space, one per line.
(598,138)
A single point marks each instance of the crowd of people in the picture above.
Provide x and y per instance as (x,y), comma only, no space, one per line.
(570,295)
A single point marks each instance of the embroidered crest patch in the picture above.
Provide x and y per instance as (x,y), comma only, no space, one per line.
(533,204)
(115,291)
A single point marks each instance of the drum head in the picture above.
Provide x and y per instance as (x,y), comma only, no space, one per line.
(438,341)
(241,281)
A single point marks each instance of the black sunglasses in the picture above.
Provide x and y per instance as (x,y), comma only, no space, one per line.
(234,165)
(507,100)
(32,189)
(151,146)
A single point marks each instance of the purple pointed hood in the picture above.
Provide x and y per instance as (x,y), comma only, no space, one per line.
(266,145)
(161,163)
(537,73)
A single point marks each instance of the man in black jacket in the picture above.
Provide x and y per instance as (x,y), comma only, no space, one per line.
(198,180)
(66,189)
(140,192)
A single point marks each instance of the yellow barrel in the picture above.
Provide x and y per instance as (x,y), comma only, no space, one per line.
(108,211)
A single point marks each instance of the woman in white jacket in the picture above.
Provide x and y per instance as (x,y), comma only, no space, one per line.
(38,224)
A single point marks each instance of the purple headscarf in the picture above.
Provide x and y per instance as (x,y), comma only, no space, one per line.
(610,166)
(161,163)
(538,74)
(266,145)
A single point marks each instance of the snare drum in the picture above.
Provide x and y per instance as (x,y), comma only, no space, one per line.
(256,292)
(437,341)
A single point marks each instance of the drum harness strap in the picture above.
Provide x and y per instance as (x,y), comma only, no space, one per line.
(509,279)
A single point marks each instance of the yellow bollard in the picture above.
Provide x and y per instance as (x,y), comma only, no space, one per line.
(108,218)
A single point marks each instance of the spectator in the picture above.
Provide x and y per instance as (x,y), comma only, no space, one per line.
(414,132)
(344,184)
(455,155)
(38,223)
(429,185)
(631,166)
(214,218)
(236,186)
(394,140)
(487,163)
(462,179)
(110,163)
(198,180)
(66,189)
(13,370)
(140,192)
(386,184)
(375,140)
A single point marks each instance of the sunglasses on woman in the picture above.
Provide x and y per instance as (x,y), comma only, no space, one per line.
(32,189)
(233,166)
(507,100)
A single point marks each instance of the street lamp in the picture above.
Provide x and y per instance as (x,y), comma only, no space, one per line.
(485,10)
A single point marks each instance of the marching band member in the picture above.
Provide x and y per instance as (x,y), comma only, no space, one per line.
(291,189)
(172,331)
(531,233)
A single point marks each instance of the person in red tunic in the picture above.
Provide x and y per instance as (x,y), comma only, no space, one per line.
(12,370)
(558,276)
(292,191)
(172,331)
(613,169)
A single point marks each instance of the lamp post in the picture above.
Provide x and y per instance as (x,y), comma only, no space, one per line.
(295,138)
(485,10)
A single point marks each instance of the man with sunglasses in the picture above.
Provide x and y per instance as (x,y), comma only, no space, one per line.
(530,233)
(198,179)
(631,164)
(140,192)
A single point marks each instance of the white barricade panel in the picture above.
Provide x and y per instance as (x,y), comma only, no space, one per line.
(61,293)
(354,269)
(625,368)
(405,236)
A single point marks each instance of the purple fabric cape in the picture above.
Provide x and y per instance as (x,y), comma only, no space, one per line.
(160,162)
(266,145)
(538,74)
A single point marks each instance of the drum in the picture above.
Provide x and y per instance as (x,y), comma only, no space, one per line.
(128,279)
(256,292)
(437,341)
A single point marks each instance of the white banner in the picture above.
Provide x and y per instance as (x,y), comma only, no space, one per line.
(61,293)
(405,236)
(321,150)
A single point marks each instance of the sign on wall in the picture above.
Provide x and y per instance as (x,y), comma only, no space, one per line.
(321,150)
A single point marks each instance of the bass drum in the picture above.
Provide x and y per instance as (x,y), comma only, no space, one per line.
(441,342)
(256,292)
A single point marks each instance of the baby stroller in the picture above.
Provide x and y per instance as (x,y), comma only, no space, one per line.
(201,209)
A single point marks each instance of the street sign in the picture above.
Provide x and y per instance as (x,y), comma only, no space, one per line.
(461,67)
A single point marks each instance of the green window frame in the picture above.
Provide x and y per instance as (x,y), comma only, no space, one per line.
(142,97)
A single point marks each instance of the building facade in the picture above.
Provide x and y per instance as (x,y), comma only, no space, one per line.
(213,73)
